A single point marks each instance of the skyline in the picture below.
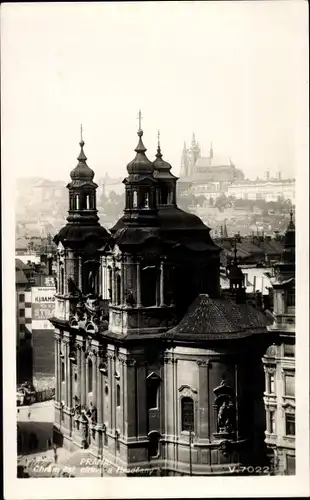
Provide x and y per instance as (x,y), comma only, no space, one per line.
(190,67)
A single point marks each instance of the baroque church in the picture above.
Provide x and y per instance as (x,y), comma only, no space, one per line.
(157,369)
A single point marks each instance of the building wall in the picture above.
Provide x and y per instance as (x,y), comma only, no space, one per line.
(23,335)
(268,190)
(279,396)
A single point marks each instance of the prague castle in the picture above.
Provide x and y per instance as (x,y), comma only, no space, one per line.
(206,175)
(156,368)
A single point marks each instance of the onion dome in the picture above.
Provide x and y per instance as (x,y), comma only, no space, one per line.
(140,165)
(159,164)
(82,172)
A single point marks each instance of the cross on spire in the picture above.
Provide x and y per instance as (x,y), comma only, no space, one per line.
(81,133)
(139,118)
(158,138)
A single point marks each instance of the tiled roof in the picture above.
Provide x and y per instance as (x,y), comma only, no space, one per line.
(212,319)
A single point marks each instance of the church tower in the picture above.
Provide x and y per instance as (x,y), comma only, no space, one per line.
(166,190)
(78,281)
(194,154)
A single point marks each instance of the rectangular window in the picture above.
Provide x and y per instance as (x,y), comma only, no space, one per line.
(289,382)
(290,424)
(289,350)
(272,384)
(22,328)
(273,422)
(290,465)
(22,313)
(187,409)
(21,297)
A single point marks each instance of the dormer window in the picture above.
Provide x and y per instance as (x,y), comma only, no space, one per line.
(135,199)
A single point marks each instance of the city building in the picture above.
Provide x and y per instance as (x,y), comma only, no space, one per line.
(279,363)
(157,370)
(267,189)
(208,176)
(23,324)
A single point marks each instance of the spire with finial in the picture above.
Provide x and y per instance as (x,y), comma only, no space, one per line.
(235,251)
(158,154)
(140,164)
(82,157)
(82,172)
(211,151)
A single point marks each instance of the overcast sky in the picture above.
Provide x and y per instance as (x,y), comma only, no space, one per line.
(233,73)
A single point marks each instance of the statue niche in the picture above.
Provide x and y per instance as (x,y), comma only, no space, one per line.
(224,406)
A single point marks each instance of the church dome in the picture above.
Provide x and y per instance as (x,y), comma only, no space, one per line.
(82,172)
(140,165)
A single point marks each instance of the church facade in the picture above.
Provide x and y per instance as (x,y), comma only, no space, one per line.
(156,369)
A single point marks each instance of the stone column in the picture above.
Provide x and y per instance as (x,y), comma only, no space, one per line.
(122,281)
(56,367)
(113,283)
(203,426)
(86,380)
(65,272)
(138,283)
(69,382)
(94,377)
(162,289)
(110,382)
(80,273)
(79,370)
(83,377)
(99,396)
(66,356)
(100,287)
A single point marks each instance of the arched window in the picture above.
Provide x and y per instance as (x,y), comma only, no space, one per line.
(135,199)
(87,202)
(149,278)
(110,283)
(90,375)
(118,395)
(62,371)
(152,393)
(187,414)
(62,279)
(118,288)
(153,445)
(77,202)
(146,200)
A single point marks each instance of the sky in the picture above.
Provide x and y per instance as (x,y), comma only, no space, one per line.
(232,72)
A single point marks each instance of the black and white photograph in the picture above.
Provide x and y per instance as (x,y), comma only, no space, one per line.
(155,249)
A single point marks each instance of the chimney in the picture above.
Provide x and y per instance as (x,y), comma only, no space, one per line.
(267,175)
(278,176)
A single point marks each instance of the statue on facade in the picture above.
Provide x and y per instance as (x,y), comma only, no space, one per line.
(129,298)
(224,404)
(225,417)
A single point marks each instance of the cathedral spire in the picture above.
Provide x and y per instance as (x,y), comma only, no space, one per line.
(211,150)
(158,154)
